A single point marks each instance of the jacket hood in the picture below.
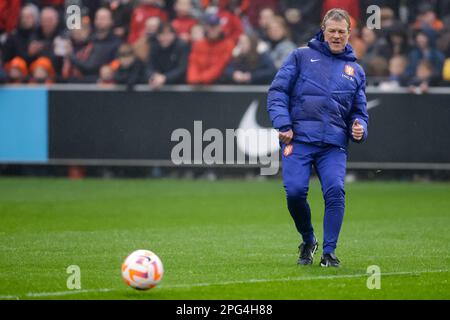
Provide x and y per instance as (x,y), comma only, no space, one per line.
(318,43)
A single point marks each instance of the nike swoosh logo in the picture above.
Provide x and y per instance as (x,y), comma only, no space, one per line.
(315,60)
(373,103)
(263,142)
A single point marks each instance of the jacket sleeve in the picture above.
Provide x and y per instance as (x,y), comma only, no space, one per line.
(193,70)
(280,91)
(359,110)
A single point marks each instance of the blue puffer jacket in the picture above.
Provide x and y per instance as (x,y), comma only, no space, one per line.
(319,95)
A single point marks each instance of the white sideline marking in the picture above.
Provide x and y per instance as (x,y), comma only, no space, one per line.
(342,276)
(53,294)
(65,293)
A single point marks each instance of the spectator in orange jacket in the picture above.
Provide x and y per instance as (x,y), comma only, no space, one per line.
(146,9)
(210,56)
(427,18)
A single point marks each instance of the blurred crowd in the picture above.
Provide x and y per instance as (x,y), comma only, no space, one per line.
(201,42)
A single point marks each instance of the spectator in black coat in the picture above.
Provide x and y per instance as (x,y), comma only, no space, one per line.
(42,39)
(425,49)
(104,47)
(168,58)
(18,41)
(248,66)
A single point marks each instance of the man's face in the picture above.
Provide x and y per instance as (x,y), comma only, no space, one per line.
(49,20)
(422,41)
(103,20)
(166,38)
(276,31)
(265,16)
(336,33)
(152,25)
(27,20)
(213,32)
(183,7)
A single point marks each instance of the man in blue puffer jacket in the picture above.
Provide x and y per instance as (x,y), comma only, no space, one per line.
(317,102)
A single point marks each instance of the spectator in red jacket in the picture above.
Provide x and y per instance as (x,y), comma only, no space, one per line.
(228,12)
(209,57)
(146,9)
(231,23)
(184,21)
(9,15)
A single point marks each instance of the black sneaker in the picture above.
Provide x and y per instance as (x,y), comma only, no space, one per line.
(307,251)
(329,260)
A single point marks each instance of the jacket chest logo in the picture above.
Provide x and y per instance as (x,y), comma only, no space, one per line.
(349,70)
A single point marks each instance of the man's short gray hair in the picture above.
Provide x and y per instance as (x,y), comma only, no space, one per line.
(336,14)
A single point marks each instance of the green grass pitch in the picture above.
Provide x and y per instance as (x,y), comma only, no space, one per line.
(218,240)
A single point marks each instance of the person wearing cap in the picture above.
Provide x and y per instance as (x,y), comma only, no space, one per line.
(317,102)
(131,70)
(17,70)
(42,71)
(209,57)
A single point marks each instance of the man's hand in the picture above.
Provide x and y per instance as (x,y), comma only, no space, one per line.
(286,137)
(242,77)
(35,47)
(357,130)
(157,81)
